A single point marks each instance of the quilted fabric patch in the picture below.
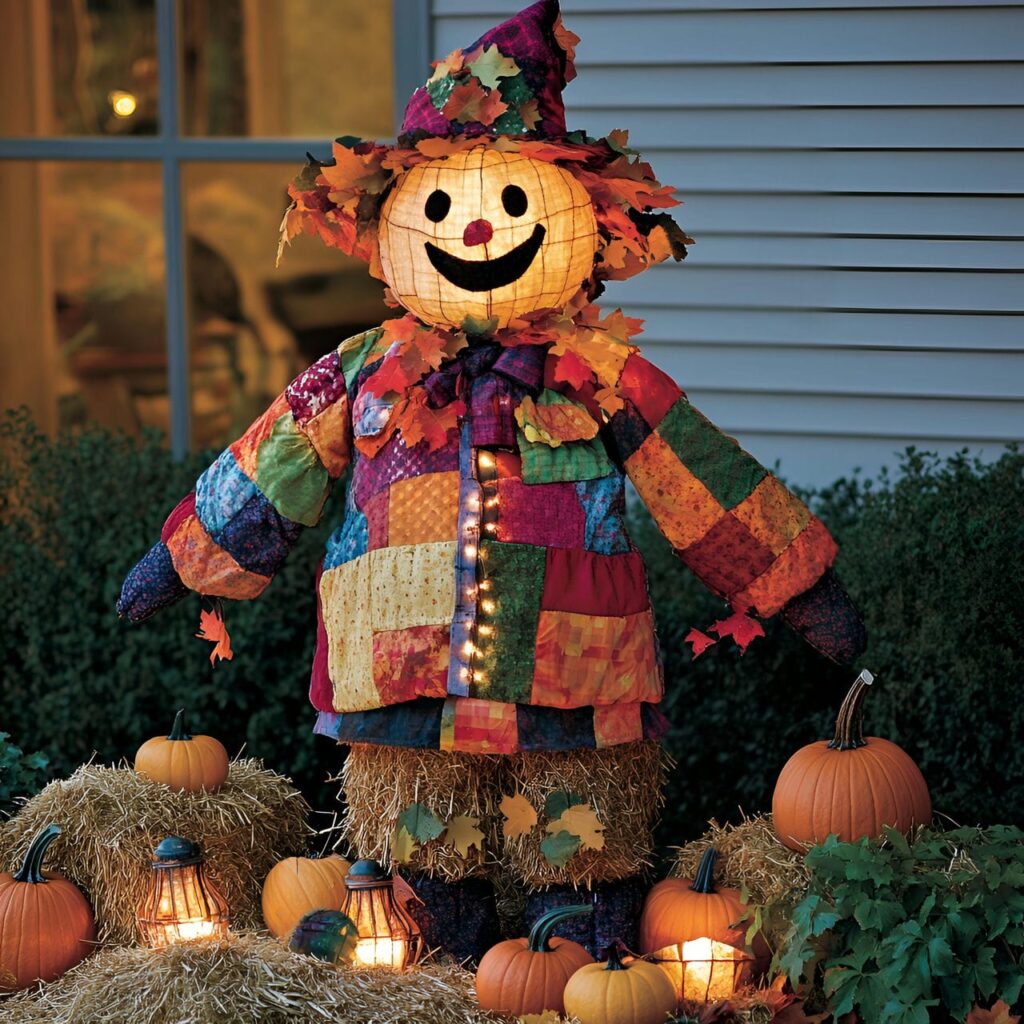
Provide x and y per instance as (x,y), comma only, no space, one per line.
(289,473)
(423,508)
(539,514)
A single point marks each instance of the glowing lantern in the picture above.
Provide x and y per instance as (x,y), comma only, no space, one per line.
(388,936)
(486,234)
(704,970)
(182,904)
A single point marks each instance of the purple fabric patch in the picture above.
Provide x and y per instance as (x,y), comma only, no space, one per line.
(316,388)
(547,515)
(258,537)
(151,585)
(396,462)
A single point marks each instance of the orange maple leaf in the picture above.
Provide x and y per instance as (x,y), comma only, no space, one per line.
(700,641)
(472,102)
(571,369)
(418,422)
(212,628)
(520,816)
(998,1013)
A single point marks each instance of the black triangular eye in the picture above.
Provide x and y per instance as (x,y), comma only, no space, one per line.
(438,204)
(513,198)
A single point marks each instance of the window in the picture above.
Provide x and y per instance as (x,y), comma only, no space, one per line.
(145,148)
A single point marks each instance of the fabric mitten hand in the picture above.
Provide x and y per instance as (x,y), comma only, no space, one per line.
(828,620)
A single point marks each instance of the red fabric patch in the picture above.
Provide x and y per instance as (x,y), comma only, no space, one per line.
(728,557)
(651,391)
(410,663)
(376,512)
(540,514)
(594,584)
(321,690)
(185,508)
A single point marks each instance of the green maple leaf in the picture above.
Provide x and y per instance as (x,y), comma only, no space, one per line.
(420,822)
(557,849)
(559,802)
(491,65)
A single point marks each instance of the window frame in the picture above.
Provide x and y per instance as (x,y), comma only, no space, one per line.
(411,47)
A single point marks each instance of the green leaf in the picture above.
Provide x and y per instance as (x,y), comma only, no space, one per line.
(559,801)
(558,848)
(420,822)
(940,957)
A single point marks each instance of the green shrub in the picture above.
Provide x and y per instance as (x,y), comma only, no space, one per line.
(934,559)
(890,929)
(21,774)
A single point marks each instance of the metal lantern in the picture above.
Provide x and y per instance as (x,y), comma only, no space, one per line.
(388,936)
(182,903)
(704,970)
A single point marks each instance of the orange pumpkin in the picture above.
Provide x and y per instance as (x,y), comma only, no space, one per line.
(183,762)
(850,785)
(297,885)
(677,910)
(528,975)
(620,993)
(46,924)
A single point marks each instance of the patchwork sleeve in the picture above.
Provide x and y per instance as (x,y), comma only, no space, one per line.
(228,538)
(746,536)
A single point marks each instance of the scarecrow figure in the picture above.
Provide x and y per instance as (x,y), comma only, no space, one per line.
(486,647)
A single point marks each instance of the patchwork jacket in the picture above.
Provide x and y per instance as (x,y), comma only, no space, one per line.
(482,593)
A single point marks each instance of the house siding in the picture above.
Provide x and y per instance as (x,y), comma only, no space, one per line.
(852,175)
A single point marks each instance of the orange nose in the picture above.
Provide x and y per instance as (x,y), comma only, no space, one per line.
(478,232)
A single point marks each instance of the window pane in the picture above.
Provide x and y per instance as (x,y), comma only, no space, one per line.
(82,286)
(287,67)
(78,67)
(254,327)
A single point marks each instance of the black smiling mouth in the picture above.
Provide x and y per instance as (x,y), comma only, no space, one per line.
(486,275)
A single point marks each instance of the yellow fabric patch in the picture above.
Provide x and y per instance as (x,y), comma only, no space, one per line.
(682,506)
(773,514)
(591,660)
(411,586)
(424,509)
(330,434)
(346,612)
(207,568)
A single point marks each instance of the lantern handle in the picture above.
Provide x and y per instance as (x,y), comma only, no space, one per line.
(540,933)
(31,866)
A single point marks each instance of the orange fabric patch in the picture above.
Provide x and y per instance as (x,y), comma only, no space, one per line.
(682,506)
(619,723)
(796,569)
(246,449)
(207,568)
(479,726)
(411,663)
(424,508)
(590,660)
(330,434)
(773,514)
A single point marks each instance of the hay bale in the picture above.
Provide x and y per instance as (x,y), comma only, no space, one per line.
(112,819)
(242,979)
(750,855)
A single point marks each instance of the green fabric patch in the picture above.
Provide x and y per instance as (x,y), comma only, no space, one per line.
(571,461)
(440,90)
(354,351)
(516,576)
(727,471)
(290,474)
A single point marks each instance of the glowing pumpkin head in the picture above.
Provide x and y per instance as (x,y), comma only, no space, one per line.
(486,234)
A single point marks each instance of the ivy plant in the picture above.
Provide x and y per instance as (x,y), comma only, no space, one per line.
(901,931)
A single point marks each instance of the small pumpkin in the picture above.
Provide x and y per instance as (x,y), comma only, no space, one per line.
(183,762)
(677,910)
(297,885)
(851,785)
(616,992)
(46,924)
(529,975)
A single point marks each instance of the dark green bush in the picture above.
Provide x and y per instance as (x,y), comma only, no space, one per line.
(935,559)
(21,774)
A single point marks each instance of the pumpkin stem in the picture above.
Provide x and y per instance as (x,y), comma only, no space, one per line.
(704,880)
(850,720)
(544,925)
(178,729)
(31,866)
(614,955)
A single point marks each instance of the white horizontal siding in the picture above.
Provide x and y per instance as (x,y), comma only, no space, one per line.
(853,175)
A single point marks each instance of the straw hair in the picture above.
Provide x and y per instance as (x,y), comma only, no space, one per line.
(749,855)
(623,785)
(380,782)
(112,820)
(239,980)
